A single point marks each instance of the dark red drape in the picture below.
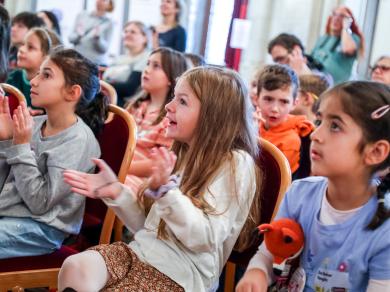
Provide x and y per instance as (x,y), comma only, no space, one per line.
(232,56)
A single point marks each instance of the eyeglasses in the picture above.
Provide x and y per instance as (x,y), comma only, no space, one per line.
(381,68)
(339,15)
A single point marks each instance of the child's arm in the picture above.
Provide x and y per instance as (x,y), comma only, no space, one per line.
(104,185)
(141,168)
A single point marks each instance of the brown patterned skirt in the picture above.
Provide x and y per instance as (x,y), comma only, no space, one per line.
(128,273)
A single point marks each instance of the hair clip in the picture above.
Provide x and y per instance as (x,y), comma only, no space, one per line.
(380,112)
(314,96)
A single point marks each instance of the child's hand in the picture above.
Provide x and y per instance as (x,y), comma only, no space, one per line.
(254,280)
(36,112)
(23,125)
(103,184)
(163,164)
(298,62)
(6,124)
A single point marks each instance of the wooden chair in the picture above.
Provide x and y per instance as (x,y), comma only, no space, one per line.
(117,142)
(109,91)
(277,178)
(15,96)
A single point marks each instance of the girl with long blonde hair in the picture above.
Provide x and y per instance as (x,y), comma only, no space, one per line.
(196,203)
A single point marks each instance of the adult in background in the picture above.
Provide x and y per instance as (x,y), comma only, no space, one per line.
(92,32)
(170,33)
(4,43)
(125,72)
(287,49)
(380,72)
(342,43)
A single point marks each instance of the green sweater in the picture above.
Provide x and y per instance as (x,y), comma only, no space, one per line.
(18,78)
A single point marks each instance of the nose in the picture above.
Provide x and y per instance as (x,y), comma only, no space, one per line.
(170,107)
(316,134)
(274,108)
(34,81)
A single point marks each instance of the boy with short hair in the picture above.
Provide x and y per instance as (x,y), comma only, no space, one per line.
(277,89)
(20,25)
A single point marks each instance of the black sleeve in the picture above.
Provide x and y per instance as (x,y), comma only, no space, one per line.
(129,87)
(180,39)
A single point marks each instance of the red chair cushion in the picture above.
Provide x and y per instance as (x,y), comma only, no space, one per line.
(47,261)
(270,191)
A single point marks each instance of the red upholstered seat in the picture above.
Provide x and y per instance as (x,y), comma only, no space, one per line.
(276,179)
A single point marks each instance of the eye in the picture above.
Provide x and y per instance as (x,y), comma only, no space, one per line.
(45,75)
(317,122)
(285,101)
(334,127)
(267,98)
(182,101)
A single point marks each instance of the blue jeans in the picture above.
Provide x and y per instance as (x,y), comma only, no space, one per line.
(26,237)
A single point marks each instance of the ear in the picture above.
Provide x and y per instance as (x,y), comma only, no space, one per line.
(73,93)
(377,152)
(305,98)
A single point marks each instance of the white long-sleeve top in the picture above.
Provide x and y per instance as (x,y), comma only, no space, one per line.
(199,244)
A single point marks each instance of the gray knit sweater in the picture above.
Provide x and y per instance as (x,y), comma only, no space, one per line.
(31,181)
(84,38)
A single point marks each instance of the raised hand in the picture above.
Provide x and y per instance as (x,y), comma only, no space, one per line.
(103,184)
(163,163)
(6,124)
(253,281)
(23,125)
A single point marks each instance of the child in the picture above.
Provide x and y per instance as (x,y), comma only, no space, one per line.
(37,209)
(194,216)
(344,218)
(36,46)
(164,66)
(277,88)
(20,25)
(310,88)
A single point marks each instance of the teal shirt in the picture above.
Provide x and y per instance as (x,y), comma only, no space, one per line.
(18,78)
(328,51)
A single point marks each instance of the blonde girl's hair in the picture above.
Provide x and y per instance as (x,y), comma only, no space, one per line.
(225,124)
(48,39)
(173,64)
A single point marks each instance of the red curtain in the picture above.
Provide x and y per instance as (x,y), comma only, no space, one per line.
(232,56)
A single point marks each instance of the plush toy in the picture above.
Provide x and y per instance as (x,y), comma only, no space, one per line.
(284,239)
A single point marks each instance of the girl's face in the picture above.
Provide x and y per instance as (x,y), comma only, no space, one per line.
(253,91)
(337,18)
(154,79)
(381,71)
(168,7)
(48,86)
(133,37)
(335,142)
(30,55)
(18,33)
(183,113)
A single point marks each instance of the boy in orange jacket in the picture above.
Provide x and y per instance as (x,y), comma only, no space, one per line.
(277,89)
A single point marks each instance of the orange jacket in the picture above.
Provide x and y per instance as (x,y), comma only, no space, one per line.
(286,136)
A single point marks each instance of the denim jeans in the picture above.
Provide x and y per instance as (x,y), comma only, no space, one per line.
(26,237)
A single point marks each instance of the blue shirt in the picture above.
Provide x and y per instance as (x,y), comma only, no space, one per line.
(347,247)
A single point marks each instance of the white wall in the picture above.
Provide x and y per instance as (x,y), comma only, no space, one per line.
(381,45)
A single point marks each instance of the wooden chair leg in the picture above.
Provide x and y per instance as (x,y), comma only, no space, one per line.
(230,271)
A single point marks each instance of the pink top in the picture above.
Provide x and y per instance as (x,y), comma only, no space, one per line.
(148,136)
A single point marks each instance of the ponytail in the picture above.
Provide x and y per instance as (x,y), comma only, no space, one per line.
(383,211)
(95,113)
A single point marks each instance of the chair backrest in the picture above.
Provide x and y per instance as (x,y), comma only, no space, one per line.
(117,143)
(109,91)
(276,179)
(15,96)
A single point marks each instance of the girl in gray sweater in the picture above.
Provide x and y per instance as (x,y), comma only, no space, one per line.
(37,209)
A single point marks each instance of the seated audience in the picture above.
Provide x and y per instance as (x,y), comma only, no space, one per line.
(195,59)
(4,42)
(37,209)
(51,21)
(277,89)
(125,72)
